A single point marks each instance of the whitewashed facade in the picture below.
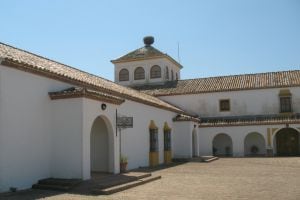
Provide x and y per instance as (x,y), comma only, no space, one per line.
(244,102)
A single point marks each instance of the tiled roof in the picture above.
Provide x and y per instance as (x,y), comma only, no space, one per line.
(225,83)
(146,52)
(75,92)
(250,120)
(26,61)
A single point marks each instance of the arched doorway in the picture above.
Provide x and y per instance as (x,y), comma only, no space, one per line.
(222,145)
(286,142)
(101,146)
(254,145)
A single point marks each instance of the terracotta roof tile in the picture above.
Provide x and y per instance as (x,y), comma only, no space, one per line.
(30,62)
(225,83)
(75,92)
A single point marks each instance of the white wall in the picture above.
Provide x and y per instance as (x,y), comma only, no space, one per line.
(183,139)
(136,140)
(26,127)
(246,102)
(146,64)
(92,110)
(66,135)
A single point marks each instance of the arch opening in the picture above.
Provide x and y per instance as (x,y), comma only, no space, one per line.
(222,145)
(287,142)
(101,146)
(254,145)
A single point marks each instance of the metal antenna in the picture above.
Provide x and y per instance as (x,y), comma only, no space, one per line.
(178,55)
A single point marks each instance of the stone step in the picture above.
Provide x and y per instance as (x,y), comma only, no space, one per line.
(209,159)
(122,187)
(50,187)
(121,179)
(181,160)
(57,184)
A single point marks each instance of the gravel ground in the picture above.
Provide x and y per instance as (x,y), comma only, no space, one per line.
(224,179)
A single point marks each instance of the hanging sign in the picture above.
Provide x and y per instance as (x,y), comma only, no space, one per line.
(125,122)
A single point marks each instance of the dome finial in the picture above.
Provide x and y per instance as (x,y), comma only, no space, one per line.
(148,40)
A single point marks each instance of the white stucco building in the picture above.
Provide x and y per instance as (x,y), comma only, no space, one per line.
(57,121)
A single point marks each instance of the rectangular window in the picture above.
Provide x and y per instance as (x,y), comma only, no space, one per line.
(153,140)
(224,105)
(167,140)
(285,104)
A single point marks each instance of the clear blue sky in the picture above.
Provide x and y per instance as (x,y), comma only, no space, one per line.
(216,37)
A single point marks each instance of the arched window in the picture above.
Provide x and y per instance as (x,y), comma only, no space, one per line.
(176,76)
(124,75)
(155,72)
(139,73)
(172,75)
(167,73)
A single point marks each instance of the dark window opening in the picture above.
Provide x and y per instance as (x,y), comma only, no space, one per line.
(139,73)
(225,105)
(167,140)
(155,72)
(153,140)
(124,75)
(285,104)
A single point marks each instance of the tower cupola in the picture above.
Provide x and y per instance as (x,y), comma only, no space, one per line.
(146,66)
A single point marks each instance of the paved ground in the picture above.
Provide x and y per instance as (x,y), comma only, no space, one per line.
(227,178)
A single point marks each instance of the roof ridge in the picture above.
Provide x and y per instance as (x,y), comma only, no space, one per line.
(236,75)
(150,53)
(138,50)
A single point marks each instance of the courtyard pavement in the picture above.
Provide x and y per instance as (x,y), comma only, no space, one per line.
(224,179)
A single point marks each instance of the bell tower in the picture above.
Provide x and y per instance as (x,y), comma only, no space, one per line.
(146,66)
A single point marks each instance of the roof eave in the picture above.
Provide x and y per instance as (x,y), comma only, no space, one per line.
(85,94)
(148,58)
(46,73)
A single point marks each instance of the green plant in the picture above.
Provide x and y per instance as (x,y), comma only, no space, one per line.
(123,159)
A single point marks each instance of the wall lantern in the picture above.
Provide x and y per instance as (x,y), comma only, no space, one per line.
(103,106)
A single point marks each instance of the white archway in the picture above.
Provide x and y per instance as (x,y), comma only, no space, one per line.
(254,145)
(286,142)
(222,145)
(101,146)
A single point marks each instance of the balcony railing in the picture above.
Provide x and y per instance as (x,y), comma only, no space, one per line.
(250,118)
